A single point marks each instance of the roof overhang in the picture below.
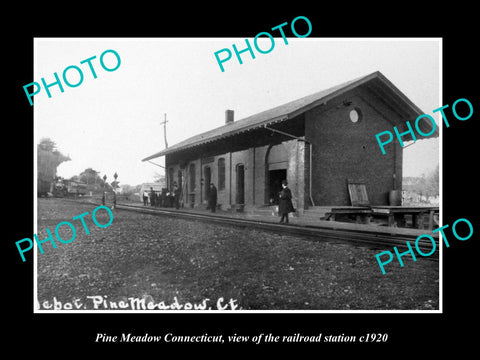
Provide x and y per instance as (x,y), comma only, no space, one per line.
(207,140)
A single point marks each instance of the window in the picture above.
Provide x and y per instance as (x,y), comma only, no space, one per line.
(180,180)
(191,172)
(221,174)
(240,184)
(355,115)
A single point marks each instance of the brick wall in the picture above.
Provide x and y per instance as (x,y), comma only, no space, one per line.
(254,161)
(345,150)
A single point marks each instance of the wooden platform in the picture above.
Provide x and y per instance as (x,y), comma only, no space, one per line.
(304,222)
(365,214)
(377,218)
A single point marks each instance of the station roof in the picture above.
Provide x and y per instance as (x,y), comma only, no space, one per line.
(375,82)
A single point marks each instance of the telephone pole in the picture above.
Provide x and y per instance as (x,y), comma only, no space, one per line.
(164,122)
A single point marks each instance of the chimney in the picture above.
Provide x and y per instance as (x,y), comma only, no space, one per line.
(228,116)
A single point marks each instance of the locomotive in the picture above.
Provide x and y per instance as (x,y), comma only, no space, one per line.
(61,188)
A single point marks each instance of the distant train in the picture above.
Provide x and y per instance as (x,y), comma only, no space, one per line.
(61,188)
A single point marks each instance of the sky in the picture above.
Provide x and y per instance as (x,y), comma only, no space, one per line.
(112,122)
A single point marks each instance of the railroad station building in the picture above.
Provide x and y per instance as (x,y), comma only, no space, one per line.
(318,143)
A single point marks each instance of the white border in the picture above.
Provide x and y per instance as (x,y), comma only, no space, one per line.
(219,312)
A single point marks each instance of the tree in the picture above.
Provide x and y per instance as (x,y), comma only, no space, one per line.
(432,182)
(48,159)
(158,178)
(90,176)
(47,144)
(128,189)
(429,183)
(425,186)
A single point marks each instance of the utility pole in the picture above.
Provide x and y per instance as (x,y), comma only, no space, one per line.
(166,144)
(164,122)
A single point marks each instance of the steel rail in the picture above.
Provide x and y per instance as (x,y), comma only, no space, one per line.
(370,238)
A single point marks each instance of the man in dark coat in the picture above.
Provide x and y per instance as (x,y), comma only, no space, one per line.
(212,198)
(163,198)
(285,205)
(152,197)
(176,196)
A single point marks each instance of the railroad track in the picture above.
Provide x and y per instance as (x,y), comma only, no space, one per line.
(361,238)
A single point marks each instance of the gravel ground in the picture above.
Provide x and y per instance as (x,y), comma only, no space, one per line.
(173,263)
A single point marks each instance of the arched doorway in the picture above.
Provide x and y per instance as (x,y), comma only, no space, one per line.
(276,164)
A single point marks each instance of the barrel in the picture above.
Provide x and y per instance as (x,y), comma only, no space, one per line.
(395,198)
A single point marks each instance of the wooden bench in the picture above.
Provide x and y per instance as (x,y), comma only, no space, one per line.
(363,211)
(396,214)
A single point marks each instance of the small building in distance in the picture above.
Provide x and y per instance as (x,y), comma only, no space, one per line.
(317,143)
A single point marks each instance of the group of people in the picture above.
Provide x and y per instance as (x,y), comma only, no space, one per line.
(172,199)
(164,198)
(167,198)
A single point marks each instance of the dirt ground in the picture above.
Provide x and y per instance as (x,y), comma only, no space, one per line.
(178,264)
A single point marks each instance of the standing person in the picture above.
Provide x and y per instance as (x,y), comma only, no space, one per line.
(170,199)
(176,196)
(163,198)
(285,205)
(212,198)
(145,198)
(152,197)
